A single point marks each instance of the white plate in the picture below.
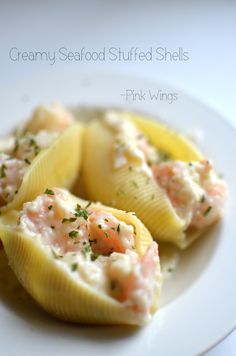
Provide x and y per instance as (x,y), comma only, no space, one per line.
(198,302)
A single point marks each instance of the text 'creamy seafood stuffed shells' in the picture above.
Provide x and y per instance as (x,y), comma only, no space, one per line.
(97,264)
(45,151)
(139,165)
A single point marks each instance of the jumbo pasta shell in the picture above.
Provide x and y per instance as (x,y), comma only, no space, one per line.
(57,165)
(133,190)
(58,291)
(170,142)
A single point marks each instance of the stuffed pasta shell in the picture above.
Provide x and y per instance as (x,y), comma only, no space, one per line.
(142,166)
(52,118)
(40,154)
(97,264)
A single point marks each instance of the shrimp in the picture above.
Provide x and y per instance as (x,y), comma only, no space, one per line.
(194,190)
(111,234)
(51,118)
(129,277)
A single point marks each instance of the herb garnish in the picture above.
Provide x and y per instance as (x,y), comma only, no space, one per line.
(203,199)
(49,192)
(81,212)
(65,220)
(16,145)
(164,156)
(118,228)
(73,234)
(3,171)
(27,161)
(99,226)
(50,207)
(74,266)
(52,227)
(86,250)
(207,211)
(89,203)
(33,143)
(93,256)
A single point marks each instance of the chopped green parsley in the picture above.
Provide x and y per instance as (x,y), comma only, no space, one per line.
(27,161)
(49,192)
(80,212)
(88,205)
(86,250)
(207,211)
(3,171)
(203,199)
(65,220)
(16,145)
(73,234)
(74,267)
(93,256)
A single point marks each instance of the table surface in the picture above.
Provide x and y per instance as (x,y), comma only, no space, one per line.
(206,30)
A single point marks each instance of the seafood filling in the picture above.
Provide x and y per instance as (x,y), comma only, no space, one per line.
(195,191)
(96,246)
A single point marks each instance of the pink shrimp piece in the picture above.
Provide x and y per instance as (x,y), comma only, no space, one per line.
(149,260)
(129,284)
(105,229)
(164,173)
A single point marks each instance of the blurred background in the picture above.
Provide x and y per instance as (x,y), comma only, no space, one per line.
(206,30)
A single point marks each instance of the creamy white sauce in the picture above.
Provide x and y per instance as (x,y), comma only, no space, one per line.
(128,144)
(28,146)
(11,175)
